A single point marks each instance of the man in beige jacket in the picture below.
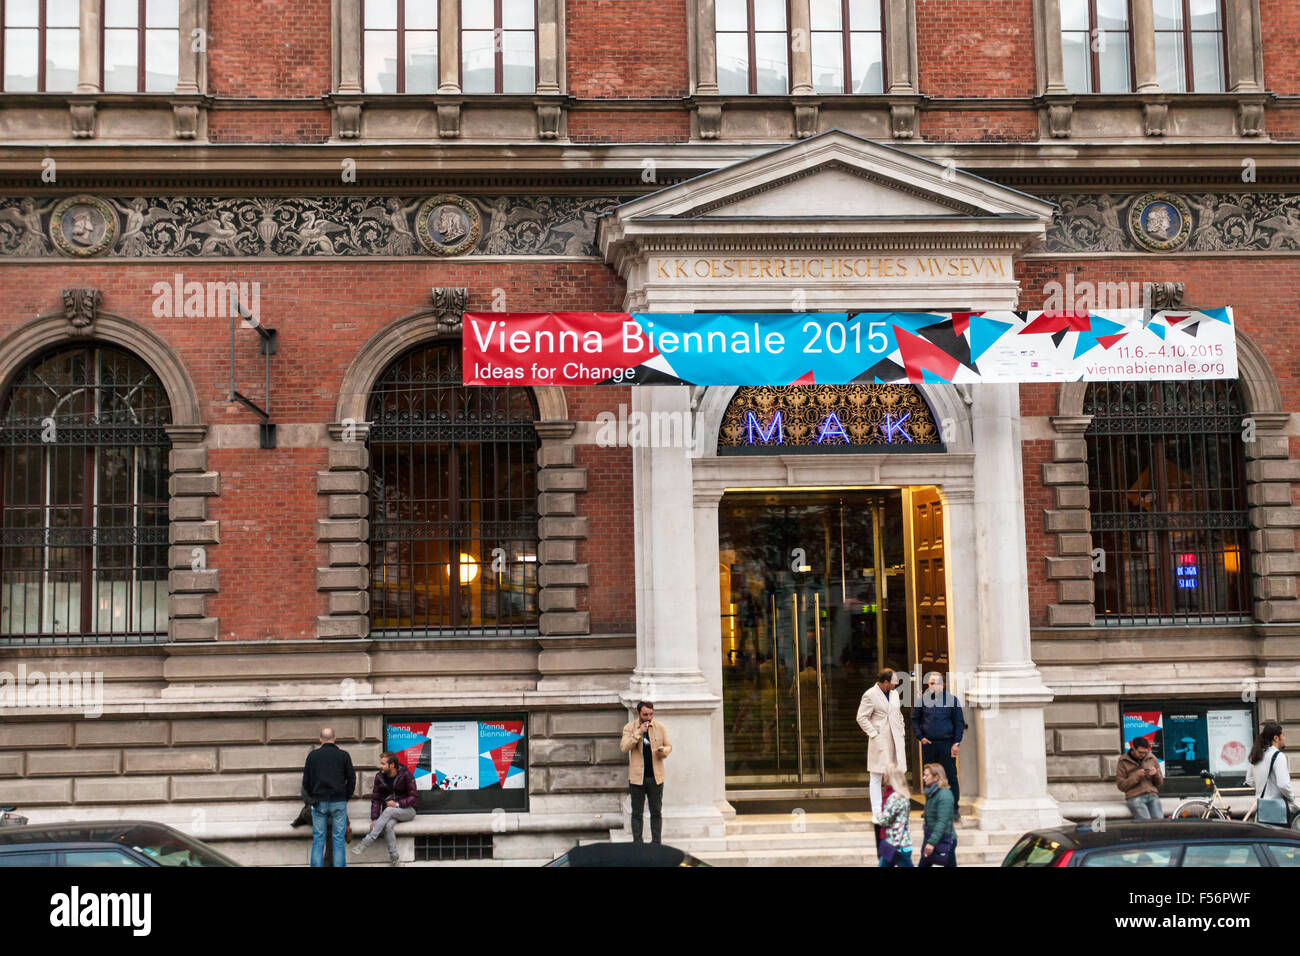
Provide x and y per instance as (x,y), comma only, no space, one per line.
(645,741)
(880,715)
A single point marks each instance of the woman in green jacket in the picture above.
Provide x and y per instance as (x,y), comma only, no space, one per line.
(940,837)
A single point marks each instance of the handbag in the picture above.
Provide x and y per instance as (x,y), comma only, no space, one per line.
(888,853)
(1273,810)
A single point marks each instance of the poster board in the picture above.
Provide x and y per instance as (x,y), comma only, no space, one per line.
(464,763)
(1191,737)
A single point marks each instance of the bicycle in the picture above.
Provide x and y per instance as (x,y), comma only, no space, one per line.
(1214,808)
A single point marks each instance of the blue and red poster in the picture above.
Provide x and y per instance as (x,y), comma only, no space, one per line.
(464,765)
(839,348)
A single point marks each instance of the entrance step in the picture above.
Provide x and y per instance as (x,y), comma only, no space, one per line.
(834,839)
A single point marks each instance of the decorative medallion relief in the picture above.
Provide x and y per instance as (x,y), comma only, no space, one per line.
(202,226)
(1169,222)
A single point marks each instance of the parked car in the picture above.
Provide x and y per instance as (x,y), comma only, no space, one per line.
(113,843)
(1159,843)
(626,854)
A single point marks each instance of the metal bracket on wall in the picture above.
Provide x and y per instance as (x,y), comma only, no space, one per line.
(269,344)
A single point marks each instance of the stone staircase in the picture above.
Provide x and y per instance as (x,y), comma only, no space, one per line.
(834,839)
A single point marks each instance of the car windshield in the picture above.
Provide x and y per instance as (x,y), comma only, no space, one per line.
(1033,850)
(171,847)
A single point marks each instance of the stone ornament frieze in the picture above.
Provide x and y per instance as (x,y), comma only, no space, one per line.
(255,227)
(1166,222)
(1159,222)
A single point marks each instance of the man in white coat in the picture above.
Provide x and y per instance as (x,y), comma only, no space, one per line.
(880,715)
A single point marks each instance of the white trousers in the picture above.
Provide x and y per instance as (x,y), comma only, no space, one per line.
(877,801)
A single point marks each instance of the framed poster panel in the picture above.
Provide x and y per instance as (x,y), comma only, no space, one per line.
(1191,738)
(463,763)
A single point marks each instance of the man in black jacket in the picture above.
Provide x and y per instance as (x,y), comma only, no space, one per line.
(938,724)
(328,780)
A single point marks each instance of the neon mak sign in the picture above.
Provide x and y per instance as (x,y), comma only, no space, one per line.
(831,430)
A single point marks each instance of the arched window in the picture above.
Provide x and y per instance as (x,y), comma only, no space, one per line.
(83,512)
(453,500)
(1167,476)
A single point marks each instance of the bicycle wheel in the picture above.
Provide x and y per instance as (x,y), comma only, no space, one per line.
(1198,810)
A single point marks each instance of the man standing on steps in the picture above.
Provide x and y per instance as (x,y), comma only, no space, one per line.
(938,725)
(328,782)
(880,715)
(645,741)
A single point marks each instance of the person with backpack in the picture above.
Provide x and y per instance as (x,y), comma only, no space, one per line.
(1270,776)
(940,847)
(895,846)
(392,801)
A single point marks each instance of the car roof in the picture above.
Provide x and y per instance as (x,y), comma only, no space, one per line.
(106,831)
(1084,836)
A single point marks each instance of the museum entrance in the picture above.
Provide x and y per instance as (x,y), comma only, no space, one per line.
(819,591)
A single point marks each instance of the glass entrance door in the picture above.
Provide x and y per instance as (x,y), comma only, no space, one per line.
(814,603)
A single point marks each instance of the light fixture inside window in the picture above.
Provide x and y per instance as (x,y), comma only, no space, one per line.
(468,568)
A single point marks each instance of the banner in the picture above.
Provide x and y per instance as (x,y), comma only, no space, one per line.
(463,764)
(838,348)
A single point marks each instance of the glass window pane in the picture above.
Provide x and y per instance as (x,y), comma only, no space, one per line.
(864,14)
(421,61)
(381,14)
(121,71)
(99,858)
(21,50)
(1142,856)
(1284,854)
(62,13)
(828,62)
(1207,58)
(517,14)
(380,61)
(162,13)
(1112,14)
(770,50)
(825,14)
(161,60)
(1205,14)
(22,13)
(478,61)
(519,74)
(1169,63)
(1169,14)
(867,64)
(733,63)
(1075,59)
(731,15)
(62,60)
(476,15)
(121,13)
(1220,854)
(422,14)
(1114,61)
(769,14)
(1074,15)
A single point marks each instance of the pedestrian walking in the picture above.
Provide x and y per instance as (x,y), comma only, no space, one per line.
(646,743)
(1270,776)
(939,847)
(938,723)
(328,781)
(1138,775)
(392,801)
(880,715)
(895,848)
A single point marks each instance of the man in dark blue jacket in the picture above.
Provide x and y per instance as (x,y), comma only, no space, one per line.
(938,724)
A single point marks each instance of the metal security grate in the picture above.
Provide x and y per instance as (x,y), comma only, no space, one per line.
(1168,492)
(453,501)
(449,847)
(83,500)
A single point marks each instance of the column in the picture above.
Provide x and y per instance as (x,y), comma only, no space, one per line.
(449,47)
(800,48)
(709,617)
(963,620)
(1243,44)
(1009,696)
(669,670)
(192,47)
(1144,48)
(349,46)
(548,46)
(706,48)
(899,26)
(89,65)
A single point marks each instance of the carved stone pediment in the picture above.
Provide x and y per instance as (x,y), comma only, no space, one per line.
(80,307)
(449,306)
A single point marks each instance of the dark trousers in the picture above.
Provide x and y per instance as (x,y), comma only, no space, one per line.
(655,791)
(940,752)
